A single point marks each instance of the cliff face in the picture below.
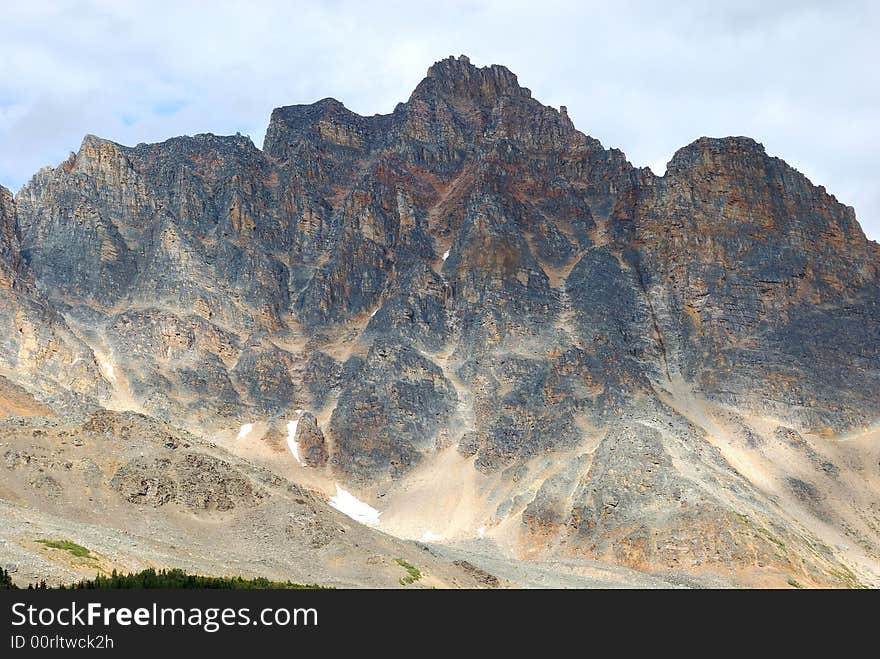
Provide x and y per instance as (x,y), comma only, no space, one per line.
(763,284)
(10,254)
(37,348)
(472,271)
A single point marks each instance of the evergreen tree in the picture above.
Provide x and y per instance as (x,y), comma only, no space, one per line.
(179,579)
(6,580)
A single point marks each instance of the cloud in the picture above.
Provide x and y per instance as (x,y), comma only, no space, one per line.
(645,77)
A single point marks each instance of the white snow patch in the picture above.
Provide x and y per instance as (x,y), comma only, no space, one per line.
(245,430)
(108,370)
(428,536)
(292,444)
(359,511)
(481,531)
(374,312)
(291,440)
(446,255)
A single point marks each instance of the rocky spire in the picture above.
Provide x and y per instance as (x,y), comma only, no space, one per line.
(458,77)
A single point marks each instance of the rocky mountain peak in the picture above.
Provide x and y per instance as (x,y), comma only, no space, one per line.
(716,153)
(326,120)
(761,190)
(94,150)
(458,77)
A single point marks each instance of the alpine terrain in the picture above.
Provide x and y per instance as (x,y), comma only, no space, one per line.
(457,345)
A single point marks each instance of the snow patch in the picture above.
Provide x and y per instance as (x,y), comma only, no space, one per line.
(359,511)
(291,440)
(245,430)
(292,444)
(481,531)
(428,536)
(108,371)
(374,312)
(446,255)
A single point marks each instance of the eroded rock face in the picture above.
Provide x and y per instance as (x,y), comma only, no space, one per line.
(10,254)
(472,219)
(391,412)
(37,348)
(469,269)
(207,483)
(743,260)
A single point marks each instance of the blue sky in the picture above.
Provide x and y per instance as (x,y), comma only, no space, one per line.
(646,77)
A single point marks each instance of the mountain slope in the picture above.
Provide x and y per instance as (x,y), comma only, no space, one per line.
(137,493)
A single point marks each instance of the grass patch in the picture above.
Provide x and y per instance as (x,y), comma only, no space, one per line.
(848,578)
(67,545)
(794,584)
(772,538)
(746,520)
(413,573)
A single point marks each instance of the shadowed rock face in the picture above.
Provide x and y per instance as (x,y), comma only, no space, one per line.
(10,254)
(37,349)
(391,412)
(752,270)
(469,269)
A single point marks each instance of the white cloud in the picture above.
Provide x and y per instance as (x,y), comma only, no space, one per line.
(641,76)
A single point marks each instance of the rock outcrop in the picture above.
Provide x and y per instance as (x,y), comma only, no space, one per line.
(311,442)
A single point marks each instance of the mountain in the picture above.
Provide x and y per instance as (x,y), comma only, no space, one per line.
(498,333)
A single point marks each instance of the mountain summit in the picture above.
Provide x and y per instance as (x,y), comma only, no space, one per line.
(486,320)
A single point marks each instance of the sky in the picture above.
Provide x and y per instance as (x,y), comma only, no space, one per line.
(646,77)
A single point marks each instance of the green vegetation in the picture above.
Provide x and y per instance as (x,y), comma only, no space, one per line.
(77,550)
(413,573)
(794,584)
(848,578)
(178,579)
(745,519)
(6,583)
(6,580)
(776,541)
